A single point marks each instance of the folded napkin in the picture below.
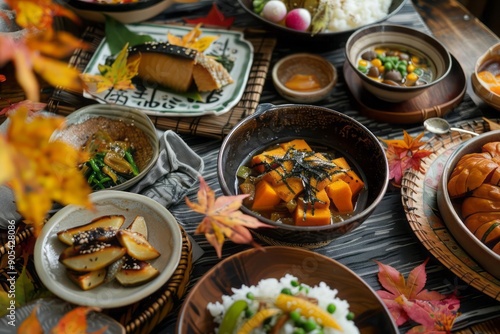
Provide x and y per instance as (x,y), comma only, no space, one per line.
(174,173)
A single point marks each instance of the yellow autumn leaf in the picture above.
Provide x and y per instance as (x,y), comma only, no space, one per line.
(45,171)
(117,75)
(58,73)
(58,45)
(191,40)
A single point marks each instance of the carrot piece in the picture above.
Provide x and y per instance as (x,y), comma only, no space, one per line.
(289,303)
(298,144)
(260,160)
(257,319)
(341,194)
(312,216)
(350,176)
(289,189)
(266,197)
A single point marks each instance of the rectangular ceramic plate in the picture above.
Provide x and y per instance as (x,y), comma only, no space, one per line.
(162,102)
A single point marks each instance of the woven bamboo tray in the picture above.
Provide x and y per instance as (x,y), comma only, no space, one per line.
(140,317)
(65,102)
(418,193)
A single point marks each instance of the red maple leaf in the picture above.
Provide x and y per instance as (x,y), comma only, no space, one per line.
(223,218)
(407,299)
(403,154)
(213,18)
(2,78)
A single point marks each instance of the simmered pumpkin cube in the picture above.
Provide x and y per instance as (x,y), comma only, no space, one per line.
(289,189)
(322,201)
(298,144)
(278,175)
(350,176)
(311,217)
(266,197)
(340,193)
(259,161)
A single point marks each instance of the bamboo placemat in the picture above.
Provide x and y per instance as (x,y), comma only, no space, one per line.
(65,102)
(424,219)
(138,318)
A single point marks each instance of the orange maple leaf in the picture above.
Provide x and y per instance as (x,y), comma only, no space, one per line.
(31,325)
(223,218)
(75,321)
(117,75)
(39,170)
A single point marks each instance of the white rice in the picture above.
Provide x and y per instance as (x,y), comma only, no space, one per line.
(351,14)
(269,289)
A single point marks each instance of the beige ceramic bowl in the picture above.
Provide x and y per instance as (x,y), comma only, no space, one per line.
(489,60)
(163,233)
(77,130)
(131,12)
(408,38)
(305,64)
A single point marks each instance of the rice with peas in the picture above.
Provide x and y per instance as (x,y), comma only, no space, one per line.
(267,290)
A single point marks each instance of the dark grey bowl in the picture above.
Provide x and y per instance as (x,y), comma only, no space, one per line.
(317,125)
(325,40)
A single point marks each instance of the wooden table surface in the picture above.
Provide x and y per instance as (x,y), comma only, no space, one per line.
(463,34)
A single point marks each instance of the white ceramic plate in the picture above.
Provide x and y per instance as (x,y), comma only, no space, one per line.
(51,310)
(164,235)
(161,102)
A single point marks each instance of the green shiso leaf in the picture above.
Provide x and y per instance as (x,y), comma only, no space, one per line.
(117,35)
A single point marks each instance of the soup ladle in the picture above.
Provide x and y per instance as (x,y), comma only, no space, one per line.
(441,126)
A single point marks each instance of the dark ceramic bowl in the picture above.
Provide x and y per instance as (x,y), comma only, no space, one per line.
(251,266)
(130,12)
(317,125)
(324,40)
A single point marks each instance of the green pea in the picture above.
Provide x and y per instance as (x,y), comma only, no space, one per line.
(286,291)
(388,66)
(363,69)
(295,316)
(250,296)
(331,308)
(310,325)
(249,313)
(294,283)
(401,68)
(350,316)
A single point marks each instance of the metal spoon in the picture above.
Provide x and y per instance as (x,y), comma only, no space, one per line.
(441,126)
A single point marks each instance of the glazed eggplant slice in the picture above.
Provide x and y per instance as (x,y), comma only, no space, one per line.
(104,234)
(137,245)
(88,280)
(135,272)
(115,221)
(91,256)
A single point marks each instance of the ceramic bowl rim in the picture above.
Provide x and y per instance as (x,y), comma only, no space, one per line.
(226,189)
(380,28)
(113,8)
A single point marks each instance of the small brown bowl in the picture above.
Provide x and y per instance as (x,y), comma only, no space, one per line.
(489,61)
(304,64)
